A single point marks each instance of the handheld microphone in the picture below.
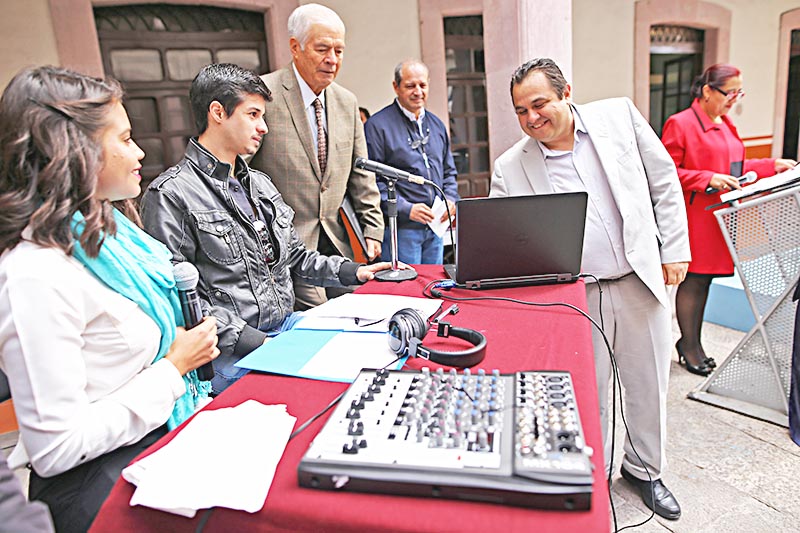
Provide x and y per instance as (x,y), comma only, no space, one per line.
(390,172)
(186,278)
(749,177)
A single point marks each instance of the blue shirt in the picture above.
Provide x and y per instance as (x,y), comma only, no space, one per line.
(395,140)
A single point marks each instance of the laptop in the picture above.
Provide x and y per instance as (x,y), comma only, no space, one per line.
(519,240)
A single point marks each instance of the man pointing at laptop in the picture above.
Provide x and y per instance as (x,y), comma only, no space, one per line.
(635,242)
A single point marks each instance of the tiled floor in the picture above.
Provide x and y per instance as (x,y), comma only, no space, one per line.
(730,473)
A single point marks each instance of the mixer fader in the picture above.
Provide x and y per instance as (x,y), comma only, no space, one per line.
(506,438)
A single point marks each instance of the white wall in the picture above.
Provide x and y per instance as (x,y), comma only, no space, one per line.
(27,37)
(602,49)
(380,34)
(603,54)
(754,49)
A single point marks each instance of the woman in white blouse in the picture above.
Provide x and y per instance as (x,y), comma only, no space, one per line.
(89,316)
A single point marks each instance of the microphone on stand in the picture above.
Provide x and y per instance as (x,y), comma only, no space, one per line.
(186,278)
(391,175)
(390,172)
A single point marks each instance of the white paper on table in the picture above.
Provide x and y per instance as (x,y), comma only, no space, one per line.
(367,308)
(763,184)
(362,325)
(251,437)
(438,226)
(346,354)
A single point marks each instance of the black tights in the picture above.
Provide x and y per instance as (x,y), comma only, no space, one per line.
(690,303)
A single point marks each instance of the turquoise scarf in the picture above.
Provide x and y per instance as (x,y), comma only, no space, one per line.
(138,267)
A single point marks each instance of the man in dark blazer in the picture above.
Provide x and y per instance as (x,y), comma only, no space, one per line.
(315,135)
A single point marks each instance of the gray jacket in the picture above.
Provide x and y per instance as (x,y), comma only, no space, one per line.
(190,209)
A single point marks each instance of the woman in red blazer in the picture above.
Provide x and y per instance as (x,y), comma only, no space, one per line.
(708,152)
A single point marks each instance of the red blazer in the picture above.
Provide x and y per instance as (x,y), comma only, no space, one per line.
(701,148)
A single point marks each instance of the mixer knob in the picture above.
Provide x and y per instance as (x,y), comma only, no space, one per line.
(476,416)
(350,449)
(439,438)
(483,439)
(355,428)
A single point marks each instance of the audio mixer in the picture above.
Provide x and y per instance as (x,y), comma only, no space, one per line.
(513,439)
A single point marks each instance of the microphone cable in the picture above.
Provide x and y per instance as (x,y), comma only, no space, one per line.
(431,290)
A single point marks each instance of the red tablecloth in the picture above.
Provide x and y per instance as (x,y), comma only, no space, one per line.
(519,338)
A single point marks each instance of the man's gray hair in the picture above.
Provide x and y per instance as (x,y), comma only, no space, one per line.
(304,17)
(398,70)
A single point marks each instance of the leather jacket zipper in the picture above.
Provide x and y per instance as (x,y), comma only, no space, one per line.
(260,246)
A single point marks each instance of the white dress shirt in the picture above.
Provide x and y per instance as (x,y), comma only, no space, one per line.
(78,356)
(580,169)
(308,104)
(412,118)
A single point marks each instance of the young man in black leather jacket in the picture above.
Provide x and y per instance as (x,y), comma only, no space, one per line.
(230,221)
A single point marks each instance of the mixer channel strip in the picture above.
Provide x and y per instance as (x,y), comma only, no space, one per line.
(513,439)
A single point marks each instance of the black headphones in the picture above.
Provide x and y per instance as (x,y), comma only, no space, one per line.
(407,329)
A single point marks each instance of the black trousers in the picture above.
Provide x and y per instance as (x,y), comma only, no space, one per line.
(75,496)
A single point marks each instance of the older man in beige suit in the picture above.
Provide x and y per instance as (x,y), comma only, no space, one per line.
(636,242)
(315,135)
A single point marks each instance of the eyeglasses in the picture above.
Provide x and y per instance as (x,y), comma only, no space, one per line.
(730,95)
(416,143)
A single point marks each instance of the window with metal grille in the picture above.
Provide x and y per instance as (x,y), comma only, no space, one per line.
(466,98)
(156,50)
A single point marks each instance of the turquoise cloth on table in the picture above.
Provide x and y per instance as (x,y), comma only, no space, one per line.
(138,267)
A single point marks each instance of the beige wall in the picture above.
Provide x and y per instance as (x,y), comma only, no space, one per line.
(754,49)
(27,37)
(602,49)
(603,53)
(380,34)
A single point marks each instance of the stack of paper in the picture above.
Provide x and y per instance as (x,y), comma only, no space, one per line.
(363,312)
(187,474)
(762,185)
(334,341)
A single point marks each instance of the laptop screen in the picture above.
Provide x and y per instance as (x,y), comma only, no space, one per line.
(520,236)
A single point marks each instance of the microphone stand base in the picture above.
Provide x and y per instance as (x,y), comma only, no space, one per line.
(396,275)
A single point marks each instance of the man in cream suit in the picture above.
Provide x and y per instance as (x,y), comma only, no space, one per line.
(636,243)
(315,135)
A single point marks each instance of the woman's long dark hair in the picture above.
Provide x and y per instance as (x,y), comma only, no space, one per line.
(51,120)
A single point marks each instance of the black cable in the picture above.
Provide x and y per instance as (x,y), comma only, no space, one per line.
(204,520)
(430,292)
(336,400)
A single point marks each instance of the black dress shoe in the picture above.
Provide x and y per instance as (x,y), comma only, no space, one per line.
(666,506)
